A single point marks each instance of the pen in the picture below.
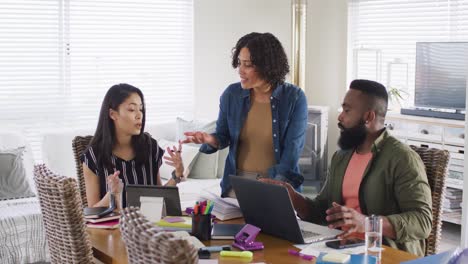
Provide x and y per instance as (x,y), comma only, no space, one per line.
(216,248)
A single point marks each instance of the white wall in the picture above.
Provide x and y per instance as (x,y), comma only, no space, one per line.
(326,53)
(218,26)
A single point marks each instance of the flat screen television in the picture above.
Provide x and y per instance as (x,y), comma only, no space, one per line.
(441,75)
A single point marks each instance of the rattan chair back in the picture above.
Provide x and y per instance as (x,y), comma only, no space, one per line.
(436,163)
(63,218)
(79,145)
(149,244)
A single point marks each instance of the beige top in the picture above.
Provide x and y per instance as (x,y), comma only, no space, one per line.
(255,152)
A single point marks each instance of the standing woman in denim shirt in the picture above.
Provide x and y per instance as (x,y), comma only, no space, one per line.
(262,118)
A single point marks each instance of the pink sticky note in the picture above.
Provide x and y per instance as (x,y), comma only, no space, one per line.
(174,219)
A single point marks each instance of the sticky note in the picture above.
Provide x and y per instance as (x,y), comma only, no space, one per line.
(336,258)
(174,219)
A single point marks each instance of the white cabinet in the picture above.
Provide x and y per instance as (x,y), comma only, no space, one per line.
(441,134)
(313,160)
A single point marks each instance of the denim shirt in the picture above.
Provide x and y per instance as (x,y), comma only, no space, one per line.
(289,117)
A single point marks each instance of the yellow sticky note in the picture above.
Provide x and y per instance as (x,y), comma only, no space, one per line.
(336,257)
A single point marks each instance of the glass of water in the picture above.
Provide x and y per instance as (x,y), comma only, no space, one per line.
(373,226)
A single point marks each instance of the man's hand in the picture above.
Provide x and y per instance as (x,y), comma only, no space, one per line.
(350,219)
(288,186)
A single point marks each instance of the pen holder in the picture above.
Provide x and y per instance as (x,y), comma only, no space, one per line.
(201,226)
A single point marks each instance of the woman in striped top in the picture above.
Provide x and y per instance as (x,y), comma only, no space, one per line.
(121,150)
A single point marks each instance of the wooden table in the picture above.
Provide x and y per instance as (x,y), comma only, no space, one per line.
(108,247)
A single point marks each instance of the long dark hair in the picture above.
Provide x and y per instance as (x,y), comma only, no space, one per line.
(104,137)
(266,53)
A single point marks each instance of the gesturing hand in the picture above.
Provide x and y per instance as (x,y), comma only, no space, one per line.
(199,137)
(350,219)
(175,159)
(113,182)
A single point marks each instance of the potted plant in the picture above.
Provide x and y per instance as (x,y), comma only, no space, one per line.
(396,96)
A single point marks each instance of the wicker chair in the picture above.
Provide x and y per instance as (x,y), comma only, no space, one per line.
(79,145)
(146,244)
(62,217)
(436,163)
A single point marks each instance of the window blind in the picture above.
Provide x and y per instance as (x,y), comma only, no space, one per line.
(382,36)
(58,59)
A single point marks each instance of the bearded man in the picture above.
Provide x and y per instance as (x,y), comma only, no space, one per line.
(372,173)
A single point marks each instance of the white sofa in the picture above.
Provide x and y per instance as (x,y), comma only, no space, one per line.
(20,219)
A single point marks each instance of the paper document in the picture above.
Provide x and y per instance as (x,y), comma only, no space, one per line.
(152,208)
(314,249)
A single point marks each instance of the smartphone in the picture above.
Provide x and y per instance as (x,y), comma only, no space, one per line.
(345,243)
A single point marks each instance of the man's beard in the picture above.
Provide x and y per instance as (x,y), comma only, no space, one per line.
(351,138)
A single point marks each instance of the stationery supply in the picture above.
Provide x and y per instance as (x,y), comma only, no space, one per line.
(269,207)
(175,219)
(179,223)
(108,217)
(112,224)
(204,254)
(245,239)
(224,208)
(247,255)
(336,258)
(96,212)
(225,231)
(297,253)
(201,220)
(353,259)
(152,208)
(201,226)
(203,207)
(216,248)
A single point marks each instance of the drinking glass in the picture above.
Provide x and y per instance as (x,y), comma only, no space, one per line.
(373,225)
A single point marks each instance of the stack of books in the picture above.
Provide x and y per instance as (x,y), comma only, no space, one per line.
(98,217)
(451,205)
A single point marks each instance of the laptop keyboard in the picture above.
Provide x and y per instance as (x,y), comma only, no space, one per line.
(307,234)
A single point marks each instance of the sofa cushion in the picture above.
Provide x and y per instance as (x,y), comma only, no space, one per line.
(206,165)
(13,182)
(189,154)
(183,126)
(12,138)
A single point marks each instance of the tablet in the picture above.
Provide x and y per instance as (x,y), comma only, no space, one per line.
(170,194)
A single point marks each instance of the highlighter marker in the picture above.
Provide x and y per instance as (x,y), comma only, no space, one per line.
(238,254)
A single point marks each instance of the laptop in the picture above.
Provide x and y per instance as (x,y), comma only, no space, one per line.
(170,194)
(269,207)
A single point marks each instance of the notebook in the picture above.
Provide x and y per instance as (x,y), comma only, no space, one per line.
(96,212)
(269,207)
(225,231)
(112,224)
(111,216)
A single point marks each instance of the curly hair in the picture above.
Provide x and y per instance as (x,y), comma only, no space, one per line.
(267,55)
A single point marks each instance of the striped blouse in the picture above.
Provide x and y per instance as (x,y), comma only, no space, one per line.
(130,172)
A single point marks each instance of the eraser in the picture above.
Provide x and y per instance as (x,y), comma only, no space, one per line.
(336,257)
